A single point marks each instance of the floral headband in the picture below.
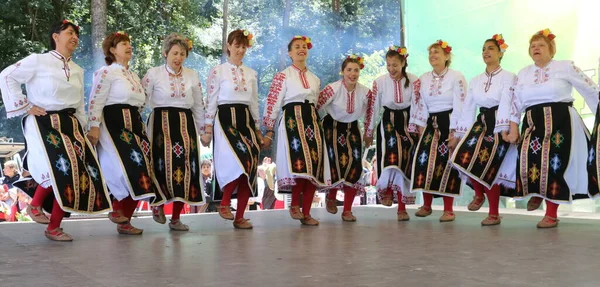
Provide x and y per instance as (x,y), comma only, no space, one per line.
(190,43)
(498,38)
(447,48)
(72,23)
(121,33)
(401,50)
(547,33)
(250,38)
(306,39)
(360,60)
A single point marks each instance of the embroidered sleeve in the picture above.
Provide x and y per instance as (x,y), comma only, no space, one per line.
(198,107)
(11,78)
(370,116)
(80,112)
(467,116)
(509,109)
(418,112)
(460,93)
(254,102)
(584,85)
(148,85)
(503,116)
(213,82)
(325,97)
(99,96)
(274,100)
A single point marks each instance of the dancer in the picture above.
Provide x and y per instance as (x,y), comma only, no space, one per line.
(59,157)
(482,155)
(117,130)
(438,104)
(232,107)
(344,102)
(396,138)
(300,141)
(552,148)
(175,95)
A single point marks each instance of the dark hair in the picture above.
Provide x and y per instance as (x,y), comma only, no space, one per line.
(111,41)
(496,44)
(351,60)
(393,53)
(239,37)
(292,42)
(59,27)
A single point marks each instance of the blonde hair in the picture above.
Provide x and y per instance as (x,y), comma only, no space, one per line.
(175,39)
(551,43)
(436,45)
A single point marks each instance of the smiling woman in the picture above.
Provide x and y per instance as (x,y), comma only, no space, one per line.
(294,91)
(543,92)
(117,130)
(59,158)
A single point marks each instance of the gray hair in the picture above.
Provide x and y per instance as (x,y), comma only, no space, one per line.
(175,39)
(10,163)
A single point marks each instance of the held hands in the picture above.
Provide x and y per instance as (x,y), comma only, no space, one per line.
(93,135)
(512,136)
(267,140)
(452,141)
(259,138)
(36,111)
(207,136)
(368,141)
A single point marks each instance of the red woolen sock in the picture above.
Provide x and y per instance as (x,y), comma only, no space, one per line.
(427,199)
(227,192)
(40,195)
(242,200)
(401,205)
(389,192)
(129,205)
(478,188)
(349,194)
(331,194)
(448,202)
(551,209)
(177,207)
(56,217)
(493,196)
(117,206)
(297,192)
(307,198)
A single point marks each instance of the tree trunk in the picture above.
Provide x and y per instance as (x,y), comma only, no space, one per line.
(98,31)
(335,5)
(225,24)
(284,27)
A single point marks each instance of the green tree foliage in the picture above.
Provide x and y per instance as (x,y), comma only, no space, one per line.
(364,27)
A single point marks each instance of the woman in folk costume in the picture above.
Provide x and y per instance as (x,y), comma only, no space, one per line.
(300,141)
(175,95)
(59,157)
(117,128)
(232,107)
(552,150)
(396,139)
(437,107)
(344,102)
(482,155)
